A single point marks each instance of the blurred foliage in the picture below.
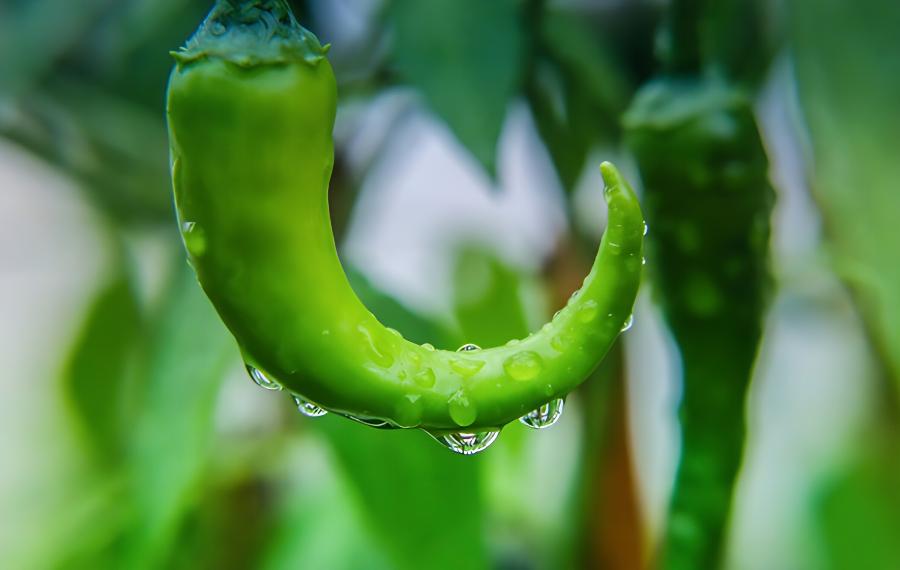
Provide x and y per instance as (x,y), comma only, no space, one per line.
(82,86)
(481,49)
(848,93)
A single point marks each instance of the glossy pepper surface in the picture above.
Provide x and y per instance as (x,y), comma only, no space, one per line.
(251,107)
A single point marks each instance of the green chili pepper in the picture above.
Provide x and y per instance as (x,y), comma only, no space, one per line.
(708,200)
(251,106)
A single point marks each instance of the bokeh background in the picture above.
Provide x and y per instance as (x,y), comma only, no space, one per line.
(467,206)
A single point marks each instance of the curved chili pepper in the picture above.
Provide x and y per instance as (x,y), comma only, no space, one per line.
(708,199)
(251,106)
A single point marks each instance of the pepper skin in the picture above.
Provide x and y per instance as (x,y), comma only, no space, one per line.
(250,124)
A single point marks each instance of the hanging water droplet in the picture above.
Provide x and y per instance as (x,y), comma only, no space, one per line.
(379,353)
(261,379)
(468,347)
(523,365)
(643,261)
(194,238)
(628,322)
(307,408)
(466,443)
(544,416)
(646,228)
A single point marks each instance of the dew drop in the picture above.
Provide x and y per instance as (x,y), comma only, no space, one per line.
(523,365)
(261,379)
(217,28)
(394,332)
(587,311)
(468,347)
(424,378)
(408,411)
(379,354)
(643,261)
(628,323)
(466,366)
(194,238)
(562,342)
(462,412)
(513,342)
(307,408)
(544,416)
(646,228)
(466,443)
(428,346)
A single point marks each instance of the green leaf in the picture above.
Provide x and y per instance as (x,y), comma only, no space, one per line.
(100,377)
(466,57)
(849,91)
(858,512)
(317,521)
(392,313)
(190,352)
(577,93)
(34,34)
(116,149)
(488,299)
(422,502)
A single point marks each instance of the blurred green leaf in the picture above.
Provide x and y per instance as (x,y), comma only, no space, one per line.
(189,354)
(589,63)
(422,502)
(317,523)
(577,93)
(116,149)
(34,34)
(99,376)
(487,299)
(392,313)
(466,56)
(849,90)
(858,512)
